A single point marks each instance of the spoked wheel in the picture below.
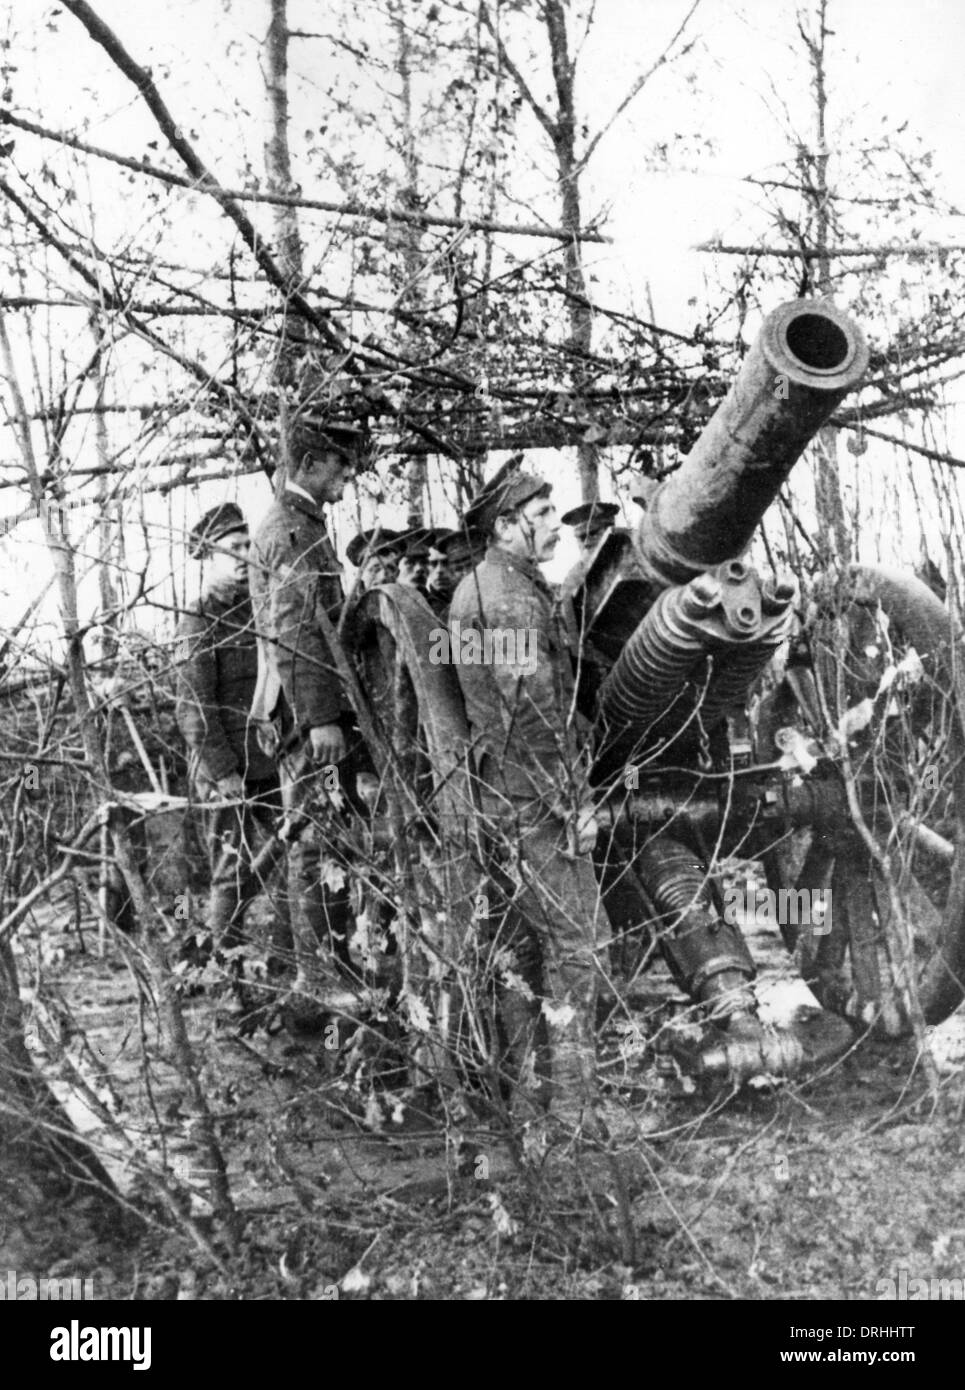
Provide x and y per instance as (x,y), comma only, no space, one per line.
(883,704)
(425,798)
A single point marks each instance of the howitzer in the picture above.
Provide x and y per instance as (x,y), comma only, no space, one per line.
(823,741)
(806,359)
(693,651)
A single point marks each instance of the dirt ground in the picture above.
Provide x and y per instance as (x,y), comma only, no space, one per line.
(818,1188)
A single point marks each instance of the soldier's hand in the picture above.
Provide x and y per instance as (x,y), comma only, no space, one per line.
(328,743)
(232,787)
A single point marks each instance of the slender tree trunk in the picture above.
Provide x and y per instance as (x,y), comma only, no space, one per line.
(277,153)
(105,519)
(278,173)
(579,312)
(832,522)
(410,233)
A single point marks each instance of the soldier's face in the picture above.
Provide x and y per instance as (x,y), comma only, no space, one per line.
(589,541)
(412,571)
(438,577)
(375,571)
(535,532)
(226,567)
(325,473)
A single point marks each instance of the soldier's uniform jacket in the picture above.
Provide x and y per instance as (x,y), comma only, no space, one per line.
(522,716)
(217,665)
(294,574)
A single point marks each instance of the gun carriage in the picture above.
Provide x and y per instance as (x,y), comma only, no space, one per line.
(822,738)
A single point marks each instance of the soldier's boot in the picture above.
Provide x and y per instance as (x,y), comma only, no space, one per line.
(323,988)
(320,919)
(225,921)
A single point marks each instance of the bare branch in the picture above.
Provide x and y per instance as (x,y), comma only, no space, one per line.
(796,253)
(350,208)
(934,454)
(538,111)
(635,88)
(204,179)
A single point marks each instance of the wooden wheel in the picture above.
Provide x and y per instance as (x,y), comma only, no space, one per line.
(426,796)
(883,701)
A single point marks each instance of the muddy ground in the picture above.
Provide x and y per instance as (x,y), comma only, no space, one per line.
(818,1188)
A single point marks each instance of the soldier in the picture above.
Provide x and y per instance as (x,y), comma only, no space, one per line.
(521,717)
(463,550)
(375,554)
(440,584)
(301,702)
(590,521)
(415,560)
(217,666)
(452,554)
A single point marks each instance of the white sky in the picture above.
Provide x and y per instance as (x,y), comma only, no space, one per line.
(889,59)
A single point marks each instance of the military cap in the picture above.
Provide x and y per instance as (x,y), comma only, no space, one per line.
(435,536)
(377,541)
(220,521)
(508,488)
(414,543)
(456,544)
(316,429)
(591,518)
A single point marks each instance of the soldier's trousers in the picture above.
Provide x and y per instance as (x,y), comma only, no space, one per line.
(550,915)
(318,878)
(235,836)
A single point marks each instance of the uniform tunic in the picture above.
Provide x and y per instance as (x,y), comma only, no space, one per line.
(217,666)
(522,718)
(522,713)
(294,573)
(295,576)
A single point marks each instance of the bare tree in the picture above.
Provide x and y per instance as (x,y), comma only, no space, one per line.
(561,125)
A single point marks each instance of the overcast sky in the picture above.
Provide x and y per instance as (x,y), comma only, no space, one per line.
(890,62)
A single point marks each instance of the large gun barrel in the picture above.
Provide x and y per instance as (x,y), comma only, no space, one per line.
(807,357)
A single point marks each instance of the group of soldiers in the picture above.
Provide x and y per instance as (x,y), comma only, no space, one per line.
(263,708)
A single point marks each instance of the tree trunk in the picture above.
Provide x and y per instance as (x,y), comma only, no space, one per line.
(39,1153)
(579,311)
(832,522)
(106,530)
(411,237)
(277,153)
(278,172)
